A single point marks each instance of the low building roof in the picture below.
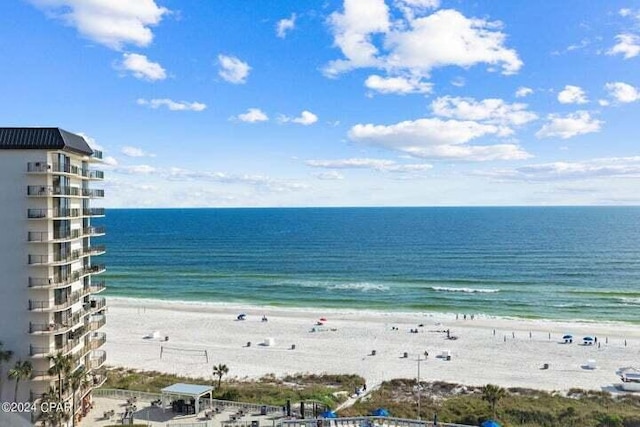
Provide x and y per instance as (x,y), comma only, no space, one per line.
(183,389)
(42,138)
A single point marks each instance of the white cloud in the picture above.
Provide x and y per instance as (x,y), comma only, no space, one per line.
(110,161)
(253,115)
(329,176)
(623,92)
(523,91)
(285,25)
(436,138)
(262,181)
(571,125)
(130,151)
(365,163)
(487,110)
(572,95)
(233,69)
(397,85)
(418,44)
(136,170)
(142,68)
(603,103)
(108,22)
(628,45)
(612,167)
(306,118)
(172,105)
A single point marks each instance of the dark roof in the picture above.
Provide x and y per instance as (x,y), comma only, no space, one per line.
(43,139)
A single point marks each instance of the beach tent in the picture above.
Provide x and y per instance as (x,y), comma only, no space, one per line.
(588,340)
(328,414)
(567,338)
(181,390)
(380,412)
(490,423)
(241,316)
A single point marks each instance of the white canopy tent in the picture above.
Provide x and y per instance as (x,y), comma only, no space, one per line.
(195,391)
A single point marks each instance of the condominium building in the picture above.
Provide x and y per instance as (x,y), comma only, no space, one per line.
(49,278)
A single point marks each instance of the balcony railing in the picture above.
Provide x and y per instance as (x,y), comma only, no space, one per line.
(50,190)
(92,192)
(46,351)
(98,360)
(97,340)
(38,167)
(96,324)
(97,287)
(95,305)
(65,258)
(96,174)
(48,237)
(97,154)
(93,212)
(53,213)
(56,327)
(62,168)
(48,305)
(56,282)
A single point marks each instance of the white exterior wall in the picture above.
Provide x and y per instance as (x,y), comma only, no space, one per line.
(15,269)
(14,255)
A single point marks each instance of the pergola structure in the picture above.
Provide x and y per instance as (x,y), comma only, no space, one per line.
(195,391)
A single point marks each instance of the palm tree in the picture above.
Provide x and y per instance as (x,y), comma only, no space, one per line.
(219,371)
(76,380)
(492,394)
(5,356)
(21,371)
(61,367)
(51,399)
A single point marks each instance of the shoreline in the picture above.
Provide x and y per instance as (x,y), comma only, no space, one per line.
(506,352)
(209,305)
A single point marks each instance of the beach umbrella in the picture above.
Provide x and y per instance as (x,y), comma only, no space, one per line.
(328,414)
(380,412)
(587,339)
(567,337)
(490,423)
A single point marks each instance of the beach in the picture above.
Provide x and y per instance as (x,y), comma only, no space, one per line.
(505,351)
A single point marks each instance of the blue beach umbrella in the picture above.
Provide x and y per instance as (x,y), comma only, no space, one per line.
(380,412)
(328,414)
(588,338)
(567,337)
(490,423)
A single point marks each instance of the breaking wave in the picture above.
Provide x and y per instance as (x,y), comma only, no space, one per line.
(465,290)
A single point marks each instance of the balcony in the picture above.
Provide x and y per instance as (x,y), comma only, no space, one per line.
(59,259)
(57,282)
(97,287)
(96,175)
(58,328)
(55,213)
(43,352)
(97,154)
(48,237)
(92,192)
(52,191)
(95,305)
(97,340)
(93,212)
(95,324)
(97,359)
(48,305)
(38,167)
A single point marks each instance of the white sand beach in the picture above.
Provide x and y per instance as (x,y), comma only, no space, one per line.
(513,357)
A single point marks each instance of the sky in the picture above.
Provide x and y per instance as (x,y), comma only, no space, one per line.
(291,103)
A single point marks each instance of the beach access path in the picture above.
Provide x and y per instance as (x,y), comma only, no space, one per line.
(506,352)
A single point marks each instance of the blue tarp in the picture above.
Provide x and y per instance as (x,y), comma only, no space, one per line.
(328,414)
(490,423)
(380,412)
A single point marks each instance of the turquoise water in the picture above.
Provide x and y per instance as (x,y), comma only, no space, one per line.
(547,262)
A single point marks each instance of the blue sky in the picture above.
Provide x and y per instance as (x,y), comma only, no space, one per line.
(336,103)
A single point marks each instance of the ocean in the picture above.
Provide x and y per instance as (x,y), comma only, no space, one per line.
(561,263)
